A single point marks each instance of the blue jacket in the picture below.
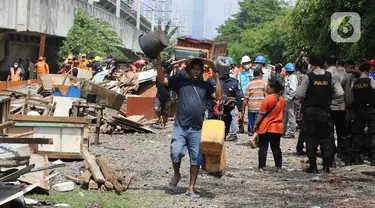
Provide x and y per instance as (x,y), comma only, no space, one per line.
(244,79)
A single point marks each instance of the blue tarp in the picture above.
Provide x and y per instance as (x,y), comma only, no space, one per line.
(197,38)
(72,92)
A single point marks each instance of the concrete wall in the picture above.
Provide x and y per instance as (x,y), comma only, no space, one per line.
(56,17)
(8,7)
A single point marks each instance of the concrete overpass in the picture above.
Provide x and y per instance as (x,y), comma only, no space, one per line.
(24,21)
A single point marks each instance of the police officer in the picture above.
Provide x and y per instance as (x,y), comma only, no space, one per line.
(364,114)
(316,92)
(231,92)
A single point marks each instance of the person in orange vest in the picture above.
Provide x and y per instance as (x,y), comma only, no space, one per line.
(207,72)
(45,61)
(15,73)
(84,62)
(41,66)
(74,69)
(67,66)
(67,58)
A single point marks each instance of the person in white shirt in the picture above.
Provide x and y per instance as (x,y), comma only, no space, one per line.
(291,84)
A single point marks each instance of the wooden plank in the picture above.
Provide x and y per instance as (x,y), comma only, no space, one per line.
(15,109)
(105,169)
(132,125)
(94,168)
(98,122)
(127,181)
(111,99)
(48,80)
(49,119)
(136,118)
(86,176)
(39,100)
(17,174)
(7,124)
(93,185)
(108,184)
(29,133)
(73,179)
(26,140)
(62,155)
(13,91)
(116,184)
(40,105)
(54,125)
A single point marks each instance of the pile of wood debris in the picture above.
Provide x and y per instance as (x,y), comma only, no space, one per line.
(100,176)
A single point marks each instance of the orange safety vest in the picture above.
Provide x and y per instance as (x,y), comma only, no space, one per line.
(42,67)
(283,72)
(83,65)
(237,70)
(15,75)
(207,75)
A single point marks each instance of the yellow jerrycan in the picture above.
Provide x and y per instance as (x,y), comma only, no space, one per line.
(212,145)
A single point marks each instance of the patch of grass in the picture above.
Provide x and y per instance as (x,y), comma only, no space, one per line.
(104,199)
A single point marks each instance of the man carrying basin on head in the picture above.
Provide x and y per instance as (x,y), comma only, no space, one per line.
(193,94)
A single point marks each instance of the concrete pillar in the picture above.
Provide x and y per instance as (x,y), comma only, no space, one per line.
(163,16)
(22,15)
(118,8)
(139,14)
(153,15)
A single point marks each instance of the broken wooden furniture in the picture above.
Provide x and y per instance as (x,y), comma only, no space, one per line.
(110,99)
(49,106)
(78,106)
(4,109)
(70,135)
(132,125)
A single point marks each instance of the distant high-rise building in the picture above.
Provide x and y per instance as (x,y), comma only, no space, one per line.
(230,8)
(198,24)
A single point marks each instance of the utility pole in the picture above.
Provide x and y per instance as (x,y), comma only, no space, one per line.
(138,14)
(163,15)
(153,15)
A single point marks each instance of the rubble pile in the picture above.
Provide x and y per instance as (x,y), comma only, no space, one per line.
(50,119)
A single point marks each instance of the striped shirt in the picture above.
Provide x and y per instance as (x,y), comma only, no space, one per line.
(255,94)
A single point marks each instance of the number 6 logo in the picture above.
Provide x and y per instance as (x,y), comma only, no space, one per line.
(345,27)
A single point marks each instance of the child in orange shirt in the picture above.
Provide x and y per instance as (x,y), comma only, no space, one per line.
(269,124)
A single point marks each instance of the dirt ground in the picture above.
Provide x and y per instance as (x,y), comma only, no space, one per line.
(147,157)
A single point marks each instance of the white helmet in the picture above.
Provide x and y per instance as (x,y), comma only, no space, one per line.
(245,59)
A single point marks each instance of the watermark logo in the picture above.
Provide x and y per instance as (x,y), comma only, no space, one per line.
(345,27)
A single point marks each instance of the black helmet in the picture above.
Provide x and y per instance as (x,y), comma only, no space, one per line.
(222,66)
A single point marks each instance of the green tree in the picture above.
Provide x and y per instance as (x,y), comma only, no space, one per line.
(312,23)
(169,51)
(91,35)
(262,27)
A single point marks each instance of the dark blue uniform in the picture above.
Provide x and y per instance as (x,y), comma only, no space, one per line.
(230,89)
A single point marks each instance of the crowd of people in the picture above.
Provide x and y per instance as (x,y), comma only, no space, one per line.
(18,71)
(322,95)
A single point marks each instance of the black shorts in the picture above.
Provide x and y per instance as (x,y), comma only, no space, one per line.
(162,106)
